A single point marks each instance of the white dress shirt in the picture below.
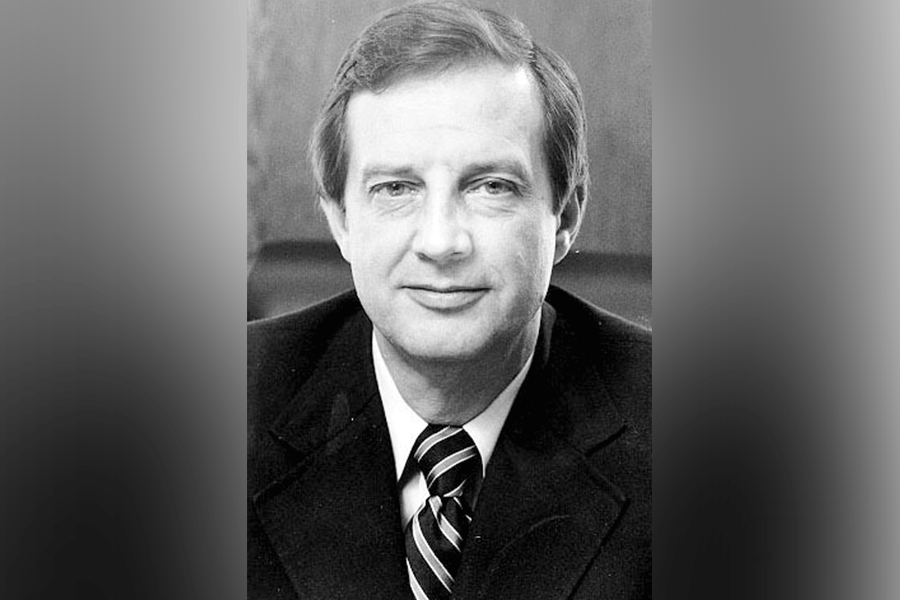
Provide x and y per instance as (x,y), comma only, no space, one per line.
(404,426)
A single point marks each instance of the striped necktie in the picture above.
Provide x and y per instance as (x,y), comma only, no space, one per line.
(451,465)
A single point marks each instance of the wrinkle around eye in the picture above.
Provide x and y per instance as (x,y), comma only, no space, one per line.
(394,199)
(495,188)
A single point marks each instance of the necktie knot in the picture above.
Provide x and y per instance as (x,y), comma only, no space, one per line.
(448,459)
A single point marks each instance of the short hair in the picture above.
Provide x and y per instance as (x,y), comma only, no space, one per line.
(428,38)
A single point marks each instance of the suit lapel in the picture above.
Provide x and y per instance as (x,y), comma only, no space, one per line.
(543,512)
(333,517)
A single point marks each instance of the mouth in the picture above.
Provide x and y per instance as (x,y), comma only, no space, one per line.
(445,298)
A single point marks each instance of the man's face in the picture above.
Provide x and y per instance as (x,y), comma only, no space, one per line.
(448,223)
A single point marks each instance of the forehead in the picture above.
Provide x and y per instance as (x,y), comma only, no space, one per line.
(483,109)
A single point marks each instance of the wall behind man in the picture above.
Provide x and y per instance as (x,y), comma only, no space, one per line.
(295,47)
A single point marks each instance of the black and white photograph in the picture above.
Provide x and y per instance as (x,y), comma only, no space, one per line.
(449,300)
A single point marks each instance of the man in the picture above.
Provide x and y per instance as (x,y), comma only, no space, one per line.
(455,425)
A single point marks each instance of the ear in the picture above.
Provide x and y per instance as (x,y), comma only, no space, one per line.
(336,215)
(568,221)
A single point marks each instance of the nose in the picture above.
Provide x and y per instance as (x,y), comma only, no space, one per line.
(443,234)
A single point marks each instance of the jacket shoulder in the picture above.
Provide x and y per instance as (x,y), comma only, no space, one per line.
(620,343)
(605,325)
(620,351)
(303,327)
(283,351)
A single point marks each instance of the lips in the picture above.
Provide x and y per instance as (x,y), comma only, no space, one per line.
(445,298)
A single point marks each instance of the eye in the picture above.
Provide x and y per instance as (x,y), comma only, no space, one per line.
(392,189)
(494,187)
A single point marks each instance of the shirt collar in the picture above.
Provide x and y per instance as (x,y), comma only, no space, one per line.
(405,425)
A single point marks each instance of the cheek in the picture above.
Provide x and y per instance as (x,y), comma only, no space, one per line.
(532,254)
(376,250)
(539,239)
(364,238)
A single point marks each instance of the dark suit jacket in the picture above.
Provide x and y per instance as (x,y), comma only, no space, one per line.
(564,511)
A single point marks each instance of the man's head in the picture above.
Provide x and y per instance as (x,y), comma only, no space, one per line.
(433,37)
(451,160)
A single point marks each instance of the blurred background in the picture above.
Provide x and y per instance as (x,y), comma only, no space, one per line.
(294,49)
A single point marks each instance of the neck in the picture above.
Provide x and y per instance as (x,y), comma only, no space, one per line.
(453,392)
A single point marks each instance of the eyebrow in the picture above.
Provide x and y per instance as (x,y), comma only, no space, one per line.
(377,170)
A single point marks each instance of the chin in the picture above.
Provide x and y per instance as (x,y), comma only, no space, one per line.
(439,344)
(442,351)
